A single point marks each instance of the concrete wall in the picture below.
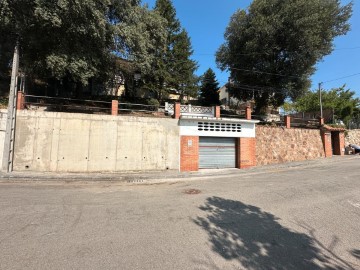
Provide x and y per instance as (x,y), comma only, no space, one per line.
(64,142)
(280,145)
(3,118)
(353,137)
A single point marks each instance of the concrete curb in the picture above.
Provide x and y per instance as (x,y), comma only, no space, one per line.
(161,177)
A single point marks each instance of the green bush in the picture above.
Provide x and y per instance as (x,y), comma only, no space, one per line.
(154,103)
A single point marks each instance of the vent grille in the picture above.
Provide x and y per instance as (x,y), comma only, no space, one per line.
(219,127)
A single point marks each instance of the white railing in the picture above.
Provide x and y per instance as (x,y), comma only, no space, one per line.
(190,110)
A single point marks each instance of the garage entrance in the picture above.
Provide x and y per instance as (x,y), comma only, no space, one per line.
(217,153)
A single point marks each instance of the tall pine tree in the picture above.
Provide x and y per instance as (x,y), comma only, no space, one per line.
(173,67)
(209,95)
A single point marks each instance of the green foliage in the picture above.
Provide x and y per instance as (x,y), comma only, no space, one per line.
(79,40)
(173,68)
(209,87)
(281,37)
(153,102)
(341,100)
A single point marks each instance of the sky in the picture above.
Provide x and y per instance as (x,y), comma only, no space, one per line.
(206,21)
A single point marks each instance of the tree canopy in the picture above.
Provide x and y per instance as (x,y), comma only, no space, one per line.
(341,100)
(79,40)
(173,68)
(274,46)
(209,87)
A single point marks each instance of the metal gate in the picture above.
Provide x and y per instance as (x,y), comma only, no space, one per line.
(217,153)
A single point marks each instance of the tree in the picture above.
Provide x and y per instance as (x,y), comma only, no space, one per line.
(275,46)
(172,68)
(183,77)
(75,41)
(341,100)
(209,87)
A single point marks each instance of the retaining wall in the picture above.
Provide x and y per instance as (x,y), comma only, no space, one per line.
(65,142)
(353,137)
(3,119)
(280,145)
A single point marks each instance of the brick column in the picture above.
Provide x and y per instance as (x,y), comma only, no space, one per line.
(245,153)
(287,121)
(20,105)
(339,143)
(217,111)
(248,113)
(177,110)
(189,153)
(321,121)
(326,139)
(114,107)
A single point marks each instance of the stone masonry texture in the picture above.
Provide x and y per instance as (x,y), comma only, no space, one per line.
(353,137)
(280,145)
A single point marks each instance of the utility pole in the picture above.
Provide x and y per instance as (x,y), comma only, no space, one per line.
(11,115)
(321,109)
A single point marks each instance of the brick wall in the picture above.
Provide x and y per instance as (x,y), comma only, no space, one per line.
(189,153)
(327,143)
(246,157)
(279,145)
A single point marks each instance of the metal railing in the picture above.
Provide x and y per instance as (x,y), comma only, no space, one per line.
(142,108)
(304,122)
(60,104)
(68,104)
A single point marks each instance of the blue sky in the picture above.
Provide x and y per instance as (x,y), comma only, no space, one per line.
(206,20)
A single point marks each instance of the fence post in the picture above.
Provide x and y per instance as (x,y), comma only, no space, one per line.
(248,113)
(20,101)
(114,107)
(216,110)
(287,121)
(177,110)
(321,121)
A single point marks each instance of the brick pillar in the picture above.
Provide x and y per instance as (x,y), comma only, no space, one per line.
(248,113)
(114,107)
(217,111)
(177,110)
(338,143)
(20,105)
(287,121)
(246,153)
(189,153)
(326,139)
(321,121)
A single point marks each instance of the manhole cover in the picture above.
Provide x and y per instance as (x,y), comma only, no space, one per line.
(192,191)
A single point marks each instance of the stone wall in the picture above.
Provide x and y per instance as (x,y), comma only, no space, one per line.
(353,137)
(66,142)
(280,145)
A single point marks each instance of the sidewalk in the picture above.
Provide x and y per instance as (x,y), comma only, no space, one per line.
(163,176)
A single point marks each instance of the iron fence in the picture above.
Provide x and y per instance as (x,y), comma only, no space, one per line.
(304,122)
(61,104)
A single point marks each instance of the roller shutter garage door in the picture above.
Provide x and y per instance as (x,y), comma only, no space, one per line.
(217,153)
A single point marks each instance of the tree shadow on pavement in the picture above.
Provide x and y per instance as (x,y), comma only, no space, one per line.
(355,253)
(256,239)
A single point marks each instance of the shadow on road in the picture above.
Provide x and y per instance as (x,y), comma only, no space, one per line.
(356,253)
(254,238)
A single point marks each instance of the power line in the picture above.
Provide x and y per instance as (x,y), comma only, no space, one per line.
(265,53)
(268,73)
(353,75)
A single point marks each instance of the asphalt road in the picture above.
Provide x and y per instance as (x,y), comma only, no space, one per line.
(297,218)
